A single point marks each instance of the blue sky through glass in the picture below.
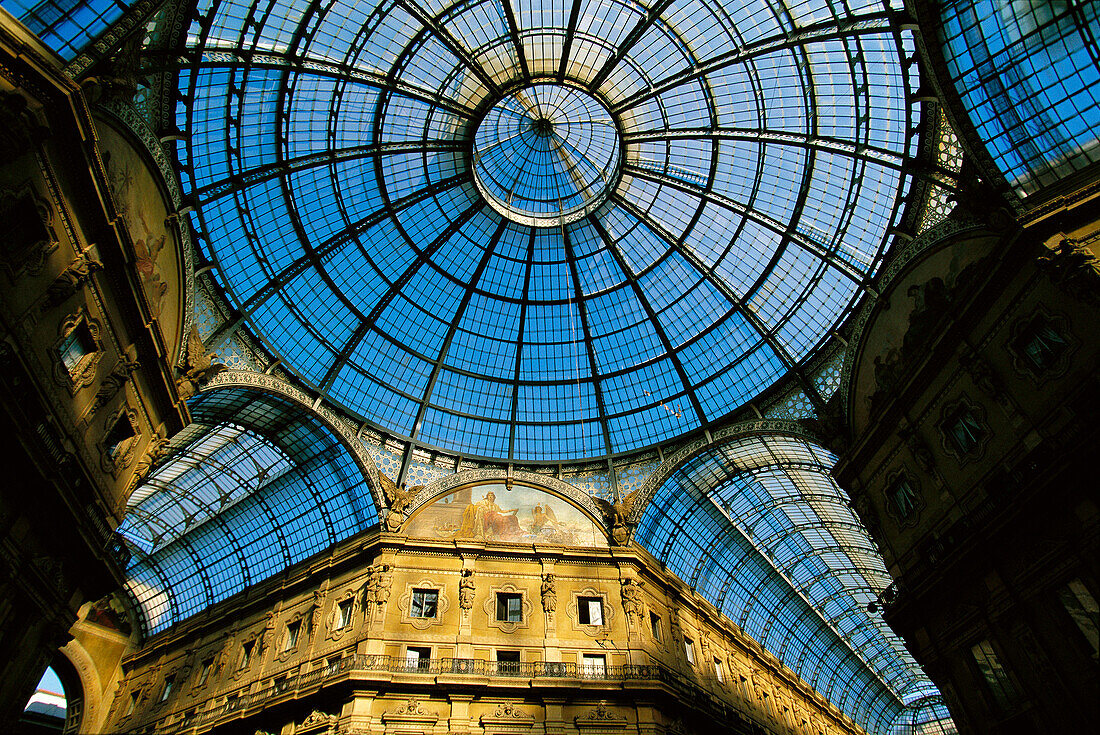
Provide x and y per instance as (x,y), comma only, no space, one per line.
(711,192)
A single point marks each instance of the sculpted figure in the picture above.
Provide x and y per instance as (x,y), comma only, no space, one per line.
(466,590)
(632,597)
(549,594)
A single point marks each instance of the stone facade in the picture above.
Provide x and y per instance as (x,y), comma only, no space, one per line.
(972,413)
(335,645)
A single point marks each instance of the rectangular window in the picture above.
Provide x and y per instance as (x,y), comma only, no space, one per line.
(246,653)
(204,674)
(718,670)
(902,497)
(132,705)
(231,702)
(332,665)
(590,610)
(292,631)
(75,346)
(1040,345)
(655,625)
(168,682)
(964,431)
(121,431)
(279,684)
(508,663)
(689,650)
(343,614)
(509,607)
(418,658)
(594,665)
(1082,608)
(424,603)
(996,678)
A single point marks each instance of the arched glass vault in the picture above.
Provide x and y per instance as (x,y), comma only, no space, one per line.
(255,484)
(757,526)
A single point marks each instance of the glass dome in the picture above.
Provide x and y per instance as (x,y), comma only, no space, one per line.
(543,231)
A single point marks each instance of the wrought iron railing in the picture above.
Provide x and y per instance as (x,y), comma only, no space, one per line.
(707,693)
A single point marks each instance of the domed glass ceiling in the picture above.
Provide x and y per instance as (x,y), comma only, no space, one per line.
(543,231)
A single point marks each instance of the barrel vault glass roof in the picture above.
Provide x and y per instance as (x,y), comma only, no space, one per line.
(759,528)
(708,203)
(255,484)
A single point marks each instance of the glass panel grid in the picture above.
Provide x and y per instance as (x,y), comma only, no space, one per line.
(700,193)
(254,485)
(758,527)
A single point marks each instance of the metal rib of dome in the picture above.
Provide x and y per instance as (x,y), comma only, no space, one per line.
(681,260)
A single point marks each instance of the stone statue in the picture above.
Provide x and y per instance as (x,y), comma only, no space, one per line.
(267,638)
(632,598)
(200,366)
(157,450)
(376,590)
(70,279)
(549,594)
(618,517)
(466,590)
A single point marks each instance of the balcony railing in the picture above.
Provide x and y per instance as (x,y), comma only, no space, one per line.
(706,693)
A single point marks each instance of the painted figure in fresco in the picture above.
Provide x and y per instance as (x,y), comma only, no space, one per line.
(486,520)
(542,516)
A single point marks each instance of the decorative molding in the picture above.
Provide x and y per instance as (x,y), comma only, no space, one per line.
(601,718)
(443,604)
(490,607)
(318,722)
(114,462)
(411,713)
(83,373)
(508,717)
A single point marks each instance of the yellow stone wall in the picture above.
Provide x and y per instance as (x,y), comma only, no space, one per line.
(358,675)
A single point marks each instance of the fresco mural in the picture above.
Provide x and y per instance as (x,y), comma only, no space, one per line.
(142,207)
(492,512)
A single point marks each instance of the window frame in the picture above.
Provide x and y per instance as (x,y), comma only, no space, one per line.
(952,414)
(592,664)
(508,666)
(423,593)
(689,651)
(655,626)
(902,517)
(503,603)
(344,613)
(423,659)
(585,608)
(293,635)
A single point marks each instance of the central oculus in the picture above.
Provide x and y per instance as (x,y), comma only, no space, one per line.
(546,155)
